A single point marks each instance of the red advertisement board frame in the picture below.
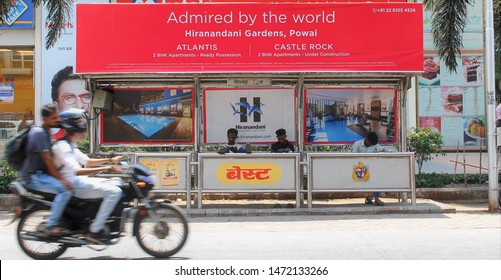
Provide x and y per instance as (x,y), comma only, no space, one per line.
(135,120)
(323,122)
(224,107)
(254,37)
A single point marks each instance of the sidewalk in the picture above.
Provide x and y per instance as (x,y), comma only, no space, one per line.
(443,164)
(351,206)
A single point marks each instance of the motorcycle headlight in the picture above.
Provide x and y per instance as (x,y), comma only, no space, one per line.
(153,180)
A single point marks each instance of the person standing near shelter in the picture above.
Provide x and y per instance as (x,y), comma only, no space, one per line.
(370,145)
(282,145)
(232,146)
(39,171)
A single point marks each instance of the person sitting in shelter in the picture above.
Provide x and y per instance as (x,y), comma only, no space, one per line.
(282,145)
(370,145)
(232,146)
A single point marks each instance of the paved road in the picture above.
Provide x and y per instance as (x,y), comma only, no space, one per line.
(461,236)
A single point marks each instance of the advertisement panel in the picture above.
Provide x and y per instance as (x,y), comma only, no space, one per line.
(454,103)
(346,115)
(149,116)
(255,112)
(171,169)
(230,37)
(59,61)
(6,93)
(247,173)
(362,172)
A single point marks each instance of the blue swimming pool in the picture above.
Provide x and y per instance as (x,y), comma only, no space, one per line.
(146,124)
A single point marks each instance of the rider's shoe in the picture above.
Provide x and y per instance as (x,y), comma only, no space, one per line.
(56,231)
(97,238)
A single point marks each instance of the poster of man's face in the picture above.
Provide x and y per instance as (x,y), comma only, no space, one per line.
(73,94)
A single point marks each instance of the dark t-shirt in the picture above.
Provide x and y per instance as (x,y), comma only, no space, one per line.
(38,142)
(281,145)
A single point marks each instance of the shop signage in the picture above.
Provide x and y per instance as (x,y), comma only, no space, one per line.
(249,82)
(342,37)
(20,15)
(249,173)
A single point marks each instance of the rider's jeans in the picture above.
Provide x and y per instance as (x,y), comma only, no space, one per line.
(92,187)
(46,183)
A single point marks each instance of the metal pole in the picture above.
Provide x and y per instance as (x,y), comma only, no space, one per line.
(491,106)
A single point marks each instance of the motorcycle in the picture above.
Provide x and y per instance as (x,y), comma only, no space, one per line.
(160,228)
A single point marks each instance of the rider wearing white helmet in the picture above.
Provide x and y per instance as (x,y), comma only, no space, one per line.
(70,161)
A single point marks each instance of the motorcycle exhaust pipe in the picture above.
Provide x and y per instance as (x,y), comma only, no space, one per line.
(73,241)
(69,241)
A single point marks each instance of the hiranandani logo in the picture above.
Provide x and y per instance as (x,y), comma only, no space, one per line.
(360,172)
(245,110)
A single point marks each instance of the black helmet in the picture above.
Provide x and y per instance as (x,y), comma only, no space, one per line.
(73,120)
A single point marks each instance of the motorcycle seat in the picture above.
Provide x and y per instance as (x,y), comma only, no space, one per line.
(50,196)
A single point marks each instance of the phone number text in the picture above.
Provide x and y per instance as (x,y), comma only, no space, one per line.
(394,10)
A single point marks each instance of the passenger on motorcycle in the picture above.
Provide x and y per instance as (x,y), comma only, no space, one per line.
(69,159)
(39,171)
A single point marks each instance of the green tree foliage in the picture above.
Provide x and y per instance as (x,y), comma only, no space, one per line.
(425,144)
(7,175)
(448,26)
(59,13)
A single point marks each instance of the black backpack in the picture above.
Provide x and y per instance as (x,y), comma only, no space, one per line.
(15,149)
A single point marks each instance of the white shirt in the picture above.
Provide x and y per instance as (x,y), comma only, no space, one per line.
(235,146)
(359,147)
(68,158)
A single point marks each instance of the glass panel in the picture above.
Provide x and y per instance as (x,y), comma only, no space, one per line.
(17,95)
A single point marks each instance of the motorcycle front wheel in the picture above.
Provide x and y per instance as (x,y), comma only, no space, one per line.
(32,240)
(165,238)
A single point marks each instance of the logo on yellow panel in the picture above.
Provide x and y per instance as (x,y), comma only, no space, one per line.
(259,173)
(360,172)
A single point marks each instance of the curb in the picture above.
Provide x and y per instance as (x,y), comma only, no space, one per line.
(454,194)
(334,210)
(225,208)
(345,207)
(8,202)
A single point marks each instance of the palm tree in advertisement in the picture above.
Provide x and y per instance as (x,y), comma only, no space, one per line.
(449,21)
(59,12)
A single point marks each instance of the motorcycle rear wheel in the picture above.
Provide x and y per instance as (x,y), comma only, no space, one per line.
(153,239)
(31,240)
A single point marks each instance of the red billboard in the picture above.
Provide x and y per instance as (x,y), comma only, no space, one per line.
(245,1)
(173,38)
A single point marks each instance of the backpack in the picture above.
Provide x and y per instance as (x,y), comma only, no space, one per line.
(15,153)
